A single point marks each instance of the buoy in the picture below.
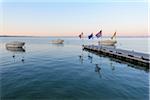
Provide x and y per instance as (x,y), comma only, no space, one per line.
(13,56)
(22,60)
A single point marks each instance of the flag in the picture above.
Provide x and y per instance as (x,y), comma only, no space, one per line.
(90,36)
(113,35)
(81,35)
(99,34)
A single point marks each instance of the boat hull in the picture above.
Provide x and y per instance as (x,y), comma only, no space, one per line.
(57,41)
(15,49)
(15,44)
(107,42)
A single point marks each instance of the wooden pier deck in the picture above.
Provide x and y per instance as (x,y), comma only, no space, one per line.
(125,55)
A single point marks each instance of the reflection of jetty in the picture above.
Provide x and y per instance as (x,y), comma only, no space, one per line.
(125,55)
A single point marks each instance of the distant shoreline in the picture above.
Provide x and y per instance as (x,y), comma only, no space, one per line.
(76,36)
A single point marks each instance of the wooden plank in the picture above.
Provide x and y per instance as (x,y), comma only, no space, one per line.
(129,56)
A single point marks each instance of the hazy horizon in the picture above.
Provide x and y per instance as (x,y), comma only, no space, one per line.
(43,18)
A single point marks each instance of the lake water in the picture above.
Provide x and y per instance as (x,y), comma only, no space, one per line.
(46,71)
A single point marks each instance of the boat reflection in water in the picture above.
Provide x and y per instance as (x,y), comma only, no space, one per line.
(58,45)
(15,49)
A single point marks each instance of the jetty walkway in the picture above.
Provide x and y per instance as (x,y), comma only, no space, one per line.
(133,57)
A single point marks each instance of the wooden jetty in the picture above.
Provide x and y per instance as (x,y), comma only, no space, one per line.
(125,55)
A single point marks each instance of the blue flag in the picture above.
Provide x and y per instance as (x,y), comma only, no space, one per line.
(90,36)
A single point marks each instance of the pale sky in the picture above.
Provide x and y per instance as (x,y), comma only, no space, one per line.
(70,18)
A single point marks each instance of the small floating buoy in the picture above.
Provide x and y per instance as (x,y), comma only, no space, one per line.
(22,60)
(90,56)
(13,56)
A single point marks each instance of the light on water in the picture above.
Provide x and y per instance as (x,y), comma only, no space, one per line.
(43,71)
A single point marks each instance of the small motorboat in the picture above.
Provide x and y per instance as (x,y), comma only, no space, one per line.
(58,41)
(15,44)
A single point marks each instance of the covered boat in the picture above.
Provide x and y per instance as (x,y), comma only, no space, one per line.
(15,44)
(58,41)
(107,42)
(110,42)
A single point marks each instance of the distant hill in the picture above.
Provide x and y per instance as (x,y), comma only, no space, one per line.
(73,36)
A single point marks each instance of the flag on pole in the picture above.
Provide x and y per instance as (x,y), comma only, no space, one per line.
(99,34)
(81,35)
(113,35)
(90,36)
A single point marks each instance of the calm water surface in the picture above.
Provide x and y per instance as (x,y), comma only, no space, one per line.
(46,71)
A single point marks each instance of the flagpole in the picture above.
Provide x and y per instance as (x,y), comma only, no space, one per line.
(82,45)
(81,37)
(93,40)
(115,35)
(98,35)
(82,41)
(100,39)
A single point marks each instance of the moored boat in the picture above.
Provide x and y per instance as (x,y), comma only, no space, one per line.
(58,41)
(110,42)
(15,49)
(107,42)
(15,44)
